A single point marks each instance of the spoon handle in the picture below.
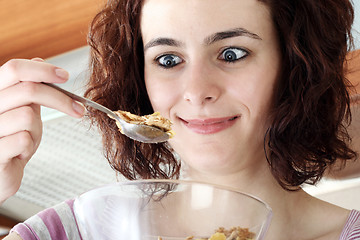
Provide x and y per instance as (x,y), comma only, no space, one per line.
(85,101)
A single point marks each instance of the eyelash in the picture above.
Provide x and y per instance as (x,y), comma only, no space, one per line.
(244,53)
(158,59)
(178,60)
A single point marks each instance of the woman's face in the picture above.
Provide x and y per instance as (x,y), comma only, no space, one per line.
(211,67)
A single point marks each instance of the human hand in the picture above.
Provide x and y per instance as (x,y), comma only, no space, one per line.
(21,95)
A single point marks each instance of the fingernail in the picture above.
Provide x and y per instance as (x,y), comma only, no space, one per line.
(61,73)
(80,109)
(37,59)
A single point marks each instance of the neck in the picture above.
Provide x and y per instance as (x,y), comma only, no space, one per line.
(256,181)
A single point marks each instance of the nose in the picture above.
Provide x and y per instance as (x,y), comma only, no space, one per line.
(201,85)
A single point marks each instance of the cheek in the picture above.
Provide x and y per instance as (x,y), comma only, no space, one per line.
(253,89)
(255,93)
(161,94)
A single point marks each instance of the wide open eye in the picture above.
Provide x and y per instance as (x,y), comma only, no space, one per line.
(169,60)
(233,54)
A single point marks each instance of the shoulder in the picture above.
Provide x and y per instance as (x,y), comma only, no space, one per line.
(352,226)
(57,222)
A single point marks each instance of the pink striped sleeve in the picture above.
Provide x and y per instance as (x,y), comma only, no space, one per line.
(26,232)
(53,224)
(351,229)
(56,223)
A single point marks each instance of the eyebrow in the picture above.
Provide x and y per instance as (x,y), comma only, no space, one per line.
(162,41)
(236,32)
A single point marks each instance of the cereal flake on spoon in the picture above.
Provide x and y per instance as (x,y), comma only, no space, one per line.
(155,120)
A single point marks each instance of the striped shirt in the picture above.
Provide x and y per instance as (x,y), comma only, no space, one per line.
(59,223)
(351,229)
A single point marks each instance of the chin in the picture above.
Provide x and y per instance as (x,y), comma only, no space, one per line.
(208,162)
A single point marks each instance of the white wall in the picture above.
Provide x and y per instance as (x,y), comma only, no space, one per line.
(356,25)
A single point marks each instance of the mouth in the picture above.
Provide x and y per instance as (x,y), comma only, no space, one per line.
(209,125)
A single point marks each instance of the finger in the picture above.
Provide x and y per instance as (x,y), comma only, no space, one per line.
(18,70)
(27,93)
(37,109)
(19,145)
(26,118)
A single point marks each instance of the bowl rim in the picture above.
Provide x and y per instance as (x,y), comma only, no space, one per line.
(181,181)
(267,220)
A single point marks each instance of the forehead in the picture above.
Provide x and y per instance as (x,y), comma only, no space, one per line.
(203,17)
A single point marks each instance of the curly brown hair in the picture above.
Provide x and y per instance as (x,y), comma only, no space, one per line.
(307,133)
(312,101)
(117,81)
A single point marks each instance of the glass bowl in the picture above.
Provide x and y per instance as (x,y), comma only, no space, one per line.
(169,210)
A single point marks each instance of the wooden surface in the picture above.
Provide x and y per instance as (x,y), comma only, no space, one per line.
(43,28)
(6,222)
(354,70)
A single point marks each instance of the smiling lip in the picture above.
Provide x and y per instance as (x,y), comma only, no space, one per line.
(210,125)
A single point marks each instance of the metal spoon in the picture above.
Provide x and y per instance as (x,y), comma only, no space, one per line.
(139,132)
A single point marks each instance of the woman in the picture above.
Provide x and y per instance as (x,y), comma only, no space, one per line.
(255,89)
